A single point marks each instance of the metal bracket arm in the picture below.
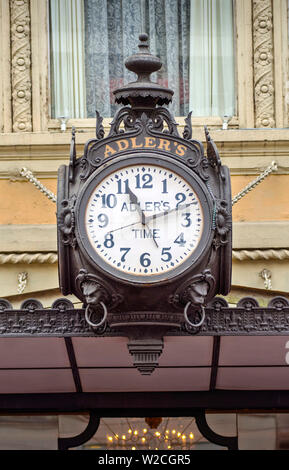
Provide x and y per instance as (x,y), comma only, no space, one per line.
(65,443)
(225,441)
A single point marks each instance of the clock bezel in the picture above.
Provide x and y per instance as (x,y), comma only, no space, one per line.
(153,159)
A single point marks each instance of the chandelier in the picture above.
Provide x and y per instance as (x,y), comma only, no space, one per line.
(152,438)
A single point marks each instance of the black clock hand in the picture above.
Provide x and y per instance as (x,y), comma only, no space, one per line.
(124,226)
(161,214)
(134,200)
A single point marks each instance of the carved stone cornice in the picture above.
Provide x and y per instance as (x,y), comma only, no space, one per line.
(20,65)
(263,63)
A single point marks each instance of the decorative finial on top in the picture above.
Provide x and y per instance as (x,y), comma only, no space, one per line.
(143,63)
(143,91)
(143,45)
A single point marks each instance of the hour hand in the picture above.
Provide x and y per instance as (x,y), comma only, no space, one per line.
(134,200)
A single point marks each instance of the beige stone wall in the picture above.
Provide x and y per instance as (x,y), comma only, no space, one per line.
(257,135)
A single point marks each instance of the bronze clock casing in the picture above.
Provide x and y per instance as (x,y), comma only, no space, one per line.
(211,261)
(144,130)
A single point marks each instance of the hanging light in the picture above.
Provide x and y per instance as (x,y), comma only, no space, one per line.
(167,438)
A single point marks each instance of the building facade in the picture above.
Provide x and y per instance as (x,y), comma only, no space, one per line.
(34,142)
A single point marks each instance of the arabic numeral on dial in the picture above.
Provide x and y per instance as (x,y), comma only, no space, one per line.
(102,219)
(122,187)
(108,200)
(125,250)
(165,187)
(180,197)
(108,240)
(166,255)
(180,240)
(145,260)
(145,179)
(187,217)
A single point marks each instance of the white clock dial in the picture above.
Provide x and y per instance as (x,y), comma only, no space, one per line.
(144,220)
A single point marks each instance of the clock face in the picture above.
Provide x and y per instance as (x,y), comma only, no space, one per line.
(143,222)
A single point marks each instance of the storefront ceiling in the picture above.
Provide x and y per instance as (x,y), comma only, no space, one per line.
(33,365)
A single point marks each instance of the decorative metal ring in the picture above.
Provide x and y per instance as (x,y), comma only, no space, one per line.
(187,319)
(96,325)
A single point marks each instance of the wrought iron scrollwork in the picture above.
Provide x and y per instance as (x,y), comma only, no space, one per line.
(212,151)
(159,118)
(246,319)
(222,223)
(5,305)
(31,305)
(66,221)
(130,121)
(187,134)
(99,129)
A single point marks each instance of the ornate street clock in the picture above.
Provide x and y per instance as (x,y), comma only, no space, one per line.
(144,216)
(143,219)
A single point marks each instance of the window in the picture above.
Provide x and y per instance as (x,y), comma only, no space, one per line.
(90,40)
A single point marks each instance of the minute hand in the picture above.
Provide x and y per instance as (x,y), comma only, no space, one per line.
(161,214)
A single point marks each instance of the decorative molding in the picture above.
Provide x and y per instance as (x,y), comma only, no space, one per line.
(21,65)
(146,354)
(28,258)
(263,63)
(245,152)
(51,258)
(22,282)
(255,255)
(62,319)
(5,67)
